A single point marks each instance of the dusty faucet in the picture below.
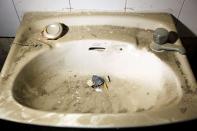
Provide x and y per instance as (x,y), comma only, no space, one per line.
(160,38)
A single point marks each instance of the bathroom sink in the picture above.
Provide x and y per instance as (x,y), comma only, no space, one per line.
(45,81)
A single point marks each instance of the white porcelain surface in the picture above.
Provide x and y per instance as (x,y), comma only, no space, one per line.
(188,16)
(98,4)
(169,6)
(40,5)
(9,21)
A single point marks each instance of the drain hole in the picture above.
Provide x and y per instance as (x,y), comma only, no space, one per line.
(97,48)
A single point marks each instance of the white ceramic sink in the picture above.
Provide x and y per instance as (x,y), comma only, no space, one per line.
(44,82)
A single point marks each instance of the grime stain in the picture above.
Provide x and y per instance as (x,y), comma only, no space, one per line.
(183,110)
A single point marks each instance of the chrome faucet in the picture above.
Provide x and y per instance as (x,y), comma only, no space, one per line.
(160,38)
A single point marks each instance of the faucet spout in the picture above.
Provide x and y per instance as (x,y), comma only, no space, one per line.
(168,47)
(160,42)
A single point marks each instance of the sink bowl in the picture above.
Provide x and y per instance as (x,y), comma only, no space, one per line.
(56,80)
(44,82)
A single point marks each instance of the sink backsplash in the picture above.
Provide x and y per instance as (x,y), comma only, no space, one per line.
(182,10)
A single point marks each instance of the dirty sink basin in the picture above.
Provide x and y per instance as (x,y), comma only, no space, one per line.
(44,82)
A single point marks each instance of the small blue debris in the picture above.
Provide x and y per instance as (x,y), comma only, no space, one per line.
(97,81)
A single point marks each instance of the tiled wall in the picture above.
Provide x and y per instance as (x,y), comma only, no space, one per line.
(8,18)
(11,11)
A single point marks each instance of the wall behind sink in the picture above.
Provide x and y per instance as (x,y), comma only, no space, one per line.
(11,11)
